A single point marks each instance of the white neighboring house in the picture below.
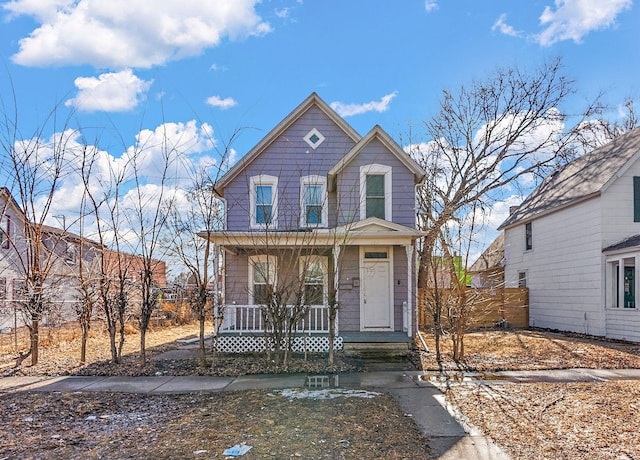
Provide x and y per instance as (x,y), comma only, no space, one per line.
(60,249)
(575,243)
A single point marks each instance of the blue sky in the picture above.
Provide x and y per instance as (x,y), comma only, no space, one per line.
(124,66)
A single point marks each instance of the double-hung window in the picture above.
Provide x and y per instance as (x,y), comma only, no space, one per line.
(313,201)
(375,191)
(528,236)
(264,201)
(262,276)
(314,271)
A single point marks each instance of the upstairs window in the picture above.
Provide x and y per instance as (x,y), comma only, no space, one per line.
(375,196)
(313,201)
(375,191)
(264,199)
(528,236)
(5,226)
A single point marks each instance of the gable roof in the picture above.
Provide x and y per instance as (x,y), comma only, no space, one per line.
(380,134)
(583,178)
(311,101)
(492,257)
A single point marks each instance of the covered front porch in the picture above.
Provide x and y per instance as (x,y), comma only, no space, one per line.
(365,269)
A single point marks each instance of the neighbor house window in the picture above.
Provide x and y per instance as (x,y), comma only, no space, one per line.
(264,201)
(528,236)
(19,288)
(313,201)
(5,226)
(314,270)
(621,282)
(522,279)
(375,191)
(71,254)
(262,276)
(636,199)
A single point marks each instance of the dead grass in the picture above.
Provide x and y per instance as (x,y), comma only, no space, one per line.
(500,349)
(556,420)
(73,425)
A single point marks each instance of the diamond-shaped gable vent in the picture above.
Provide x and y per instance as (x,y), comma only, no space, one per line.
(314,138)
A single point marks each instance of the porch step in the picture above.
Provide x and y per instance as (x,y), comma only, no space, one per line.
(376,350)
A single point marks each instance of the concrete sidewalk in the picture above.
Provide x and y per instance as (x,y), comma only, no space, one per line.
(417,397)
(416,392)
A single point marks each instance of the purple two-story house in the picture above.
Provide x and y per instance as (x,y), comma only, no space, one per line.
(316,200)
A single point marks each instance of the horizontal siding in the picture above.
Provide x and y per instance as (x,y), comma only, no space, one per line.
(617,208)
(623,324)
(349,312)
(288,158)
(236,279)
(564,268)
(400,293)
(403,188)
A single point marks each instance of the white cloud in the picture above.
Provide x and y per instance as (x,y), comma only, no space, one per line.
(217,101)
(573,19)
(129,33)
(347,110)
(501,26)
(283,13)
(110,92)
(430,5)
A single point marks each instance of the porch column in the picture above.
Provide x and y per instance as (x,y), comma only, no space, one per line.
(216,289)
(620,303)
(408,249)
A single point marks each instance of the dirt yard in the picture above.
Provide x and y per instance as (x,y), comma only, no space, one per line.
(530,421)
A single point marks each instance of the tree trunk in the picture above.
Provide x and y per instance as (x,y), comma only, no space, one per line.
(34,331)
(332,335)
(83,344)
(203,356)
(143,350)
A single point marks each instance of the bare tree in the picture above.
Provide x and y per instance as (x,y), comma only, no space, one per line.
(106,283)
(147,214)
(488,136)
(191,223)
(35,167)
(201,213)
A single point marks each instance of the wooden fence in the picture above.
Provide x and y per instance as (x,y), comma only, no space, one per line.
(488,307)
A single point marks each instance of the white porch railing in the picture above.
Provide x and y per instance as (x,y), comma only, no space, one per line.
(250,319)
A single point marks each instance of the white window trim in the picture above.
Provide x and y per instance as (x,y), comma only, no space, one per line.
(304,263)
(375,168)
(259,259)
(263,179)
(615,291)
(310,134)
(324,217)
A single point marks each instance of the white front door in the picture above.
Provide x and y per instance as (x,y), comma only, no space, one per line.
(376,302)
